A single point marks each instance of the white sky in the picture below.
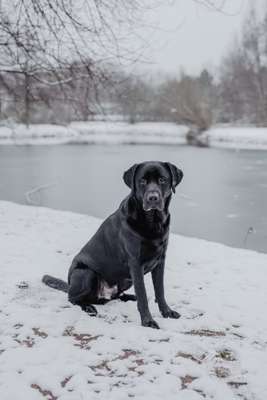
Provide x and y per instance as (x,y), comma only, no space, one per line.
(192,36)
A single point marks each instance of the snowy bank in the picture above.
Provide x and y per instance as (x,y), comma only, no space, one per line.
(50,349)
(36,134)
(95,133)
(110,132)
(237,137)
(125,133)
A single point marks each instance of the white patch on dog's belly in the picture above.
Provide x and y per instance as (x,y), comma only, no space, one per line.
(107,292)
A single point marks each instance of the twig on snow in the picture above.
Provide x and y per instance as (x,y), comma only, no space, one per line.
(38,189)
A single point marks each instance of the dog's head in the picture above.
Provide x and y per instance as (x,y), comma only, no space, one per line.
(152,183)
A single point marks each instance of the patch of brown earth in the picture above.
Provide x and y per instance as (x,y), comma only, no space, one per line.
(186,380)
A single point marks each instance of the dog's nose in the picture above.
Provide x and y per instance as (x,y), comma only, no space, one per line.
(153,197)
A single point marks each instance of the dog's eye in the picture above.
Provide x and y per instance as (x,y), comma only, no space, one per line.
(162,180)
(143,182)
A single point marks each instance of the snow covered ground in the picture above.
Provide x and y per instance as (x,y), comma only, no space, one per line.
(237,137)
(98,132)
(51,350)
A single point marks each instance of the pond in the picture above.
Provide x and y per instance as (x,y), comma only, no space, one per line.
(222,197)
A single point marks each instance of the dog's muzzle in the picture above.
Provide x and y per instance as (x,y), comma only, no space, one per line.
(153,201)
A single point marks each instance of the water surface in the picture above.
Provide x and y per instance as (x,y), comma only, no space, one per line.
(222,196)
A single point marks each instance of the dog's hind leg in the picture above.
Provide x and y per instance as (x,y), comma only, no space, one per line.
(83,284)
(124,285)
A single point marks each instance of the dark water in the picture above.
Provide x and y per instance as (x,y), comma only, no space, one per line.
(223,193)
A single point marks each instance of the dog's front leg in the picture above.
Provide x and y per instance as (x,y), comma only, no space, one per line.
(137,274)
(158,282)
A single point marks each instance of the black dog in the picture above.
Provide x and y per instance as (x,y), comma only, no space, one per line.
(128,244)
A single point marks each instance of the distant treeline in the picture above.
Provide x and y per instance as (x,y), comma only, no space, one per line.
(235,93)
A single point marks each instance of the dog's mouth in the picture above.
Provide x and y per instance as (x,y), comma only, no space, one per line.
(150,207)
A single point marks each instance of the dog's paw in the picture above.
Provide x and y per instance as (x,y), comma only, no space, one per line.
(170,314)
(127,297)
(150,323)
(90,310)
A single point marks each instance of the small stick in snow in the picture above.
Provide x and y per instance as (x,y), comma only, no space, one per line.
(37,189)
(250,231)
(23,285)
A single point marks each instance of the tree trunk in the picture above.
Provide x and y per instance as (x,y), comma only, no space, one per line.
(194,137)
(26,99)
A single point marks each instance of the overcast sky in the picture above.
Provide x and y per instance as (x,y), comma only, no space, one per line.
(192,36)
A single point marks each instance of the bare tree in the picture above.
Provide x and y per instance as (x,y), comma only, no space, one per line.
(244,74)
(42,40)
(134,95)
(191,101)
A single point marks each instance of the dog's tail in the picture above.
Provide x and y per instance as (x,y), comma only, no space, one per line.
(55,283)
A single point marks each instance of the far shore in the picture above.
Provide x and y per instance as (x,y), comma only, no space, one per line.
(152,133)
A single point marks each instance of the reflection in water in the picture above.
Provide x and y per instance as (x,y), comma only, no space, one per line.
(222,196)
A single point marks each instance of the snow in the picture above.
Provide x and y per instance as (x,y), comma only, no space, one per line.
(237,137)
(125,133)
(117,132)
(36,134)
(95,132)
(50,349)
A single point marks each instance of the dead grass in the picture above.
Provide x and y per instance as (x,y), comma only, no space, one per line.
(238,335)
(46,393)
(28,342)
(104,368)
(127,353)
(138,361)
(191,357)
(18,326)
(39,333)
(205,332)
(83,339)
(159,340)
(222,372)
(200,392)
(65,381)
(226,355)
(236,384)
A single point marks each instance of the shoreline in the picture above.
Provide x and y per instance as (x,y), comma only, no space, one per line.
(122,133)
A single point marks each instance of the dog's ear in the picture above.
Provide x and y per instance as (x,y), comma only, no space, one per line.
(176,175)
(129,176)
